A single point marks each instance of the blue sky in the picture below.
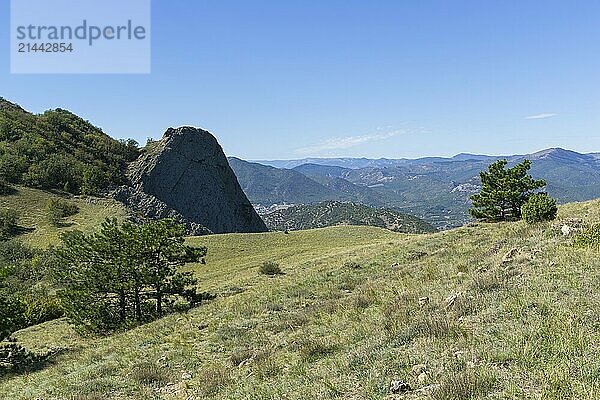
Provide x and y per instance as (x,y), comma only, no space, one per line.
(289,79)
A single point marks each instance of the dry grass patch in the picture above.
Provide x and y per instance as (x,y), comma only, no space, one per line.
(150,374)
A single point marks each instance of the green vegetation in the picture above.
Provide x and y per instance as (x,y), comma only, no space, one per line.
(500,311)
(58,150)
(14,358)
(331,213)
(58,209)
(270,268)
(36,230)
(12,315)
(26,292)
(504,191)
(538,208)
(351,265)
(124,274)
(8,223)
(589,237)
(5,188)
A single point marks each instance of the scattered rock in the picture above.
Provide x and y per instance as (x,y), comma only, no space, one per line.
(395,265)
(510,255)
(186,376)
(423,300)
(202,326)
(495,248)
(461,275)
(458,353)
(397,387)
(416,255)
(419,368)
(162,361)
(569,226)
(173,391)
(450,300)
(567,230)
(429,388)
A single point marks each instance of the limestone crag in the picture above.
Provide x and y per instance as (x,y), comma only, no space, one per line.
(188,172)
(143,207)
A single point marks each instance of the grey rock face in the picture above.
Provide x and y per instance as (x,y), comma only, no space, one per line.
(142,207)
(188,172)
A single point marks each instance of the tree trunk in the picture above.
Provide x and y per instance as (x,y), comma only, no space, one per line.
(158,301)
(138,307)
(122,305)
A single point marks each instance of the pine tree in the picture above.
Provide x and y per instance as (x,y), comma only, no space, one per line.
(164,252)
(504,191)
(125,273)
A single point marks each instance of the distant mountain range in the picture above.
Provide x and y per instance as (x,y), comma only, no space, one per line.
(436,189)
(357,163)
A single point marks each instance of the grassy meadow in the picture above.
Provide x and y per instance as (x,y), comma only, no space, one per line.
(496,311)
(37,231)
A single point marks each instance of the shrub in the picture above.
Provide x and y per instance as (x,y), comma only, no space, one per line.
(270,268)
(5,188)
(12,316)
(538,208)
(40,309)
(15,358)
(58,209)
(8,223)
(589,237)
(150,374)
(464,384)
(351,265)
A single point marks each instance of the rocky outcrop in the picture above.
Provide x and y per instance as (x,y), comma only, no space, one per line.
(187,172)
(143,207)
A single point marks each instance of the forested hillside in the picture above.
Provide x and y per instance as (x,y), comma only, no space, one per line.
(332,213)
(59,150)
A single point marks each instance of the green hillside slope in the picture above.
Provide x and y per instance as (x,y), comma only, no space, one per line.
(503,311)
(332,213)
(59,150)
(33,221)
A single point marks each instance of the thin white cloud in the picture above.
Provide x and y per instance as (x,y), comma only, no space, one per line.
(340,143)
(541,116)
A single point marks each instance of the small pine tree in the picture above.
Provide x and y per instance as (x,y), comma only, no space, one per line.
(538,208)
(504,191)
(125,273)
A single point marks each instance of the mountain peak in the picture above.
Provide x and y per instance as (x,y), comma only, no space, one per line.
(557,153)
